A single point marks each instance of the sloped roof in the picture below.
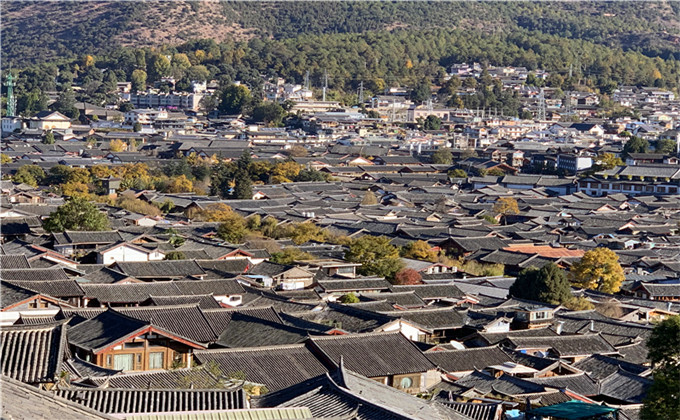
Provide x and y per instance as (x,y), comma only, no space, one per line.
(33,353)
(161,269)
(468,359)
(276,367)
(25,401)
(372,355)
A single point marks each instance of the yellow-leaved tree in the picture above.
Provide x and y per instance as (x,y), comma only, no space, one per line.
(599,269)
(506,206)
(117,145)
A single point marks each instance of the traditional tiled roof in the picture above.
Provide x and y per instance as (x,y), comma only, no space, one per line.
(176,269)
(346,394)
(580,383)
(372,355)
(80,237)
(432,291)
(625,386)
(249,331)
(599,366)
(505,384)
(128,293)
(203,301)
(276,367)
(14,261)
(468,359)
(11,294)
(33,353)
(565,345)
(34,274)
(22,401)
(184,320)
(164,379)
(137,401)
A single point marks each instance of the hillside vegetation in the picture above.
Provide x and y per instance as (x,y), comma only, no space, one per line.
(69,29)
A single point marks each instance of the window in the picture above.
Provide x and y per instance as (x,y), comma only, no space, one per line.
(156,360)
(123,362)
(406,383)
(108,360)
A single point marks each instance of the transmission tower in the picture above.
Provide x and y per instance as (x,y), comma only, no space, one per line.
(307,80)
(541,106)
(361,93)
(11,100)
(325,84)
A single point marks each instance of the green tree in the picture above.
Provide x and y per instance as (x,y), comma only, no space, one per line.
(663,397)
(549,285)
(234,99)
(66,103)
(432,122)
(243,186)
(233,229)
(421,91)
(175,255)
(48,137)
(349,298)
(138,79)
(666,146)
(270,113)
(635,145)
(599,269)
(442,156)
(32,175)
(457,173)
(77,214)
(378,257)
(137,127)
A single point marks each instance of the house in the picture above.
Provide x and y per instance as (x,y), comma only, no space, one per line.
(115,341)
(126,252)
(73,243)
(49,120)
(662,291)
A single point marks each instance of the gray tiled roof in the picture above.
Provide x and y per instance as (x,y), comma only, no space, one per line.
(22,401)
(33,353)
(276,367)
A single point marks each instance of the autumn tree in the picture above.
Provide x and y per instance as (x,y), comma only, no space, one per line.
(5,159)
(378,257)
(662,401)
(549,285)
(599,269)
(506,206)
(305,232)
(298,151)
(135,205)
(289,255)
(180,184)
(419,250)
(607,161)
(407,276)
(369,199)
(77,214)
(117,145)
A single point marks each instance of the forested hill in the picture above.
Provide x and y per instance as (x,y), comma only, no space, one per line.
(34,32)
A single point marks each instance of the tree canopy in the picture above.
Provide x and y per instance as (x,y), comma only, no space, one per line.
(549,285)
(77,214)
(599,269)
(663,397)
(378,257)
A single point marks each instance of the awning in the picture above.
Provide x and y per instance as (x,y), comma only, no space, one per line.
(572,410)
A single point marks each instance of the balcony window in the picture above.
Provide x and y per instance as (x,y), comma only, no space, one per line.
(156,360)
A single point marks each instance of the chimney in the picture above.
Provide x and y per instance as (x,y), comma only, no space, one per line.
(560,324)
(592,325)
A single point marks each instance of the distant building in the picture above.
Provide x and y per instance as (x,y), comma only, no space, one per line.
(50,120)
